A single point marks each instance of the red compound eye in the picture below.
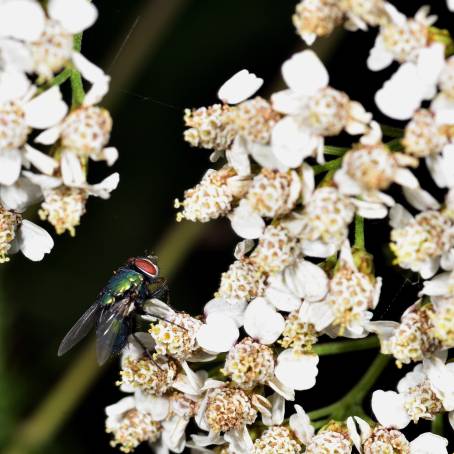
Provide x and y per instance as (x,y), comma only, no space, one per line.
(147,267)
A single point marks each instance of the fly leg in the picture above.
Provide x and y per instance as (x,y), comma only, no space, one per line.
(159,289)
(146,350)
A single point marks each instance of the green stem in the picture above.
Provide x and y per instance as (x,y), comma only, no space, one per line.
(351,403)
(391,131)
(57,80)
(334,348)
(437,425)
(330,165)
(77,87)
(359,233)
(334,151)
(395,145)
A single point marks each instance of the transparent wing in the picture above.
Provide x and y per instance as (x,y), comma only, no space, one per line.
(81,328)
(111,332)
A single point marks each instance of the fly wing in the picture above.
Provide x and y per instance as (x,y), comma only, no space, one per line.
(112,331)
(81,328)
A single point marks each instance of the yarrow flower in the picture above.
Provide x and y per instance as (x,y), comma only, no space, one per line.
(294,277)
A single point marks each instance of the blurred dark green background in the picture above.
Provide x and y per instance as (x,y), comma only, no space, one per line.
(163,55)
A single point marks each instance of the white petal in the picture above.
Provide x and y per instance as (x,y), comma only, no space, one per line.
(298,372)
(173,435)
(239,440)
(304,73)
(75,16)
(21,19)
(71,170)
(412,379)
(406,179)
(442,381)
(431,61)
(46,110)
(239,87)
(122,406)
(238,157)
(370,210)
(108,154)
(307,280)
(280,296)
(429,267)
(318,248)
(20,195)
(263,155)
(443,106)
(420,199)
(301,425)
(243,247)
(246,222)
(10,166)
(13,85)
(402,94)
(379,57)
(157,407)
(218,334)
(289,102)
(16,55)
(100,81)
(399,217)
(353,433)
(319,314)
(43,181)
(277,411)
(49,136)
(429,443)
(105,187)
(233,309)
(450,4)
(40,160)
(389,409)
(34,241)
(447,260)
(262,322)
(437,286)
(291,143)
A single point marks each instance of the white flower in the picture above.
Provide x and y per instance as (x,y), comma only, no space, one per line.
(389,409)
(301,281)
(239,87)
(262,322)
(421,243)
(23,20)
(441,377)
(402,95)
(218,334)
(400,38)
(17,117)
(370,167)
(345,309)
(271,194)
(129,425)
(74,17)
(33,241)
(368,439)
(297,371)
(300,424)
(312,107)
(429,443)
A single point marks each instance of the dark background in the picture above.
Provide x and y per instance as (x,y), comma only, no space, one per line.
(163,55)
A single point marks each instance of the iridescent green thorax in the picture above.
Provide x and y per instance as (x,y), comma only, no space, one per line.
(123,282)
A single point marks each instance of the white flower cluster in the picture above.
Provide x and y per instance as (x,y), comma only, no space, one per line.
(36,49)
(295,276)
